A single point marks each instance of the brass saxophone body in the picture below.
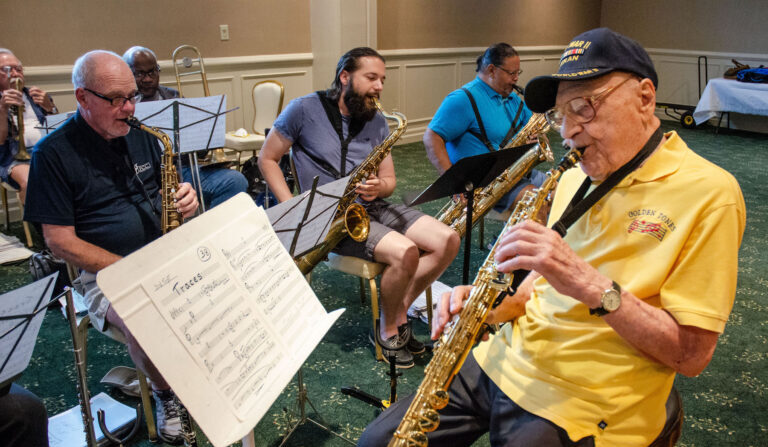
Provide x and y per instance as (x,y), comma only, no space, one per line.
(171,218)
(453,213)
(22,154)
(460,335)
(351,219)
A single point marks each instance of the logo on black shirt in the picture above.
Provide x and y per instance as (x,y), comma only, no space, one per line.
(141,168)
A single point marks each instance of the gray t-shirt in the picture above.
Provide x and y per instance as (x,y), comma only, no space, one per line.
(305,122)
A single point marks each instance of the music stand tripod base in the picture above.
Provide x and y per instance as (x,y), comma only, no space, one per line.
(301,401)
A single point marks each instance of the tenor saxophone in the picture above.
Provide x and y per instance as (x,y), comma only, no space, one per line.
(460,335)
(351,219)
(454,214)
(171,218)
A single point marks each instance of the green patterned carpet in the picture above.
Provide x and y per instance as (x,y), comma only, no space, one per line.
(726,405)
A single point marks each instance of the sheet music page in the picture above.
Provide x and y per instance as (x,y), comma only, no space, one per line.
(286,217)
(21,302)
(199,127)
(226,317)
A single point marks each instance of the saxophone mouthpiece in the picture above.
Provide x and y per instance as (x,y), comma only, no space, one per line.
(133,122)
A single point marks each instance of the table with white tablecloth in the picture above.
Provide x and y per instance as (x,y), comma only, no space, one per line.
(729,95)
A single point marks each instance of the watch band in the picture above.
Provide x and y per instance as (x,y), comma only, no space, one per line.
(601,311)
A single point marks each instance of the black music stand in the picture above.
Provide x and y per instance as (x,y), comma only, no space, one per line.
(313,212)
(464,177)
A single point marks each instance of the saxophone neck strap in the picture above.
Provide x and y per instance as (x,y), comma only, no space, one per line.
(331,108)
(482,135)
(580,204)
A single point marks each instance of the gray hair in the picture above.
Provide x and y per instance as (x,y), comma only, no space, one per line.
(130,55)
(81,72)
(6,51)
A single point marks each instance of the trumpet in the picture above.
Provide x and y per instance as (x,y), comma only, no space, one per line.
(22,154)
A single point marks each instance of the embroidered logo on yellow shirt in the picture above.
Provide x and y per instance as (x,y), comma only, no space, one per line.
(655,229)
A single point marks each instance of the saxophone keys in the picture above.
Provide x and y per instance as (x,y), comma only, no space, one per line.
(439,399)
(428,421)
(416,439)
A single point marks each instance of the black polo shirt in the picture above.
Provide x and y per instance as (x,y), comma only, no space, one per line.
(107,190)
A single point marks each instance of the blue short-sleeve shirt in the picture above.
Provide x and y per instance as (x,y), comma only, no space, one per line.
(455,118)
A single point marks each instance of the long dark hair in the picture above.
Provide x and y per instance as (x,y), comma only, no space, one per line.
(349,62)
(495,55)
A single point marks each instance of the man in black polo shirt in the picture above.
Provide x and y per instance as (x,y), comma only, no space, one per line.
(94,185)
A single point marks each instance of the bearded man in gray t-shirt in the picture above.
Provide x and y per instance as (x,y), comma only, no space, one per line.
(333,131)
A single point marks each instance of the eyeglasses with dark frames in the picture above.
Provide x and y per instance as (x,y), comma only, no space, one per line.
(511,73)
(117,101)
(153,73)
(581,110)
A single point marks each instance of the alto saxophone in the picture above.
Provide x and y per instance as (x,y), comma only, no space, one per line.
(459,336)
(171,218)
(454,214)
(351,218)
(22,154)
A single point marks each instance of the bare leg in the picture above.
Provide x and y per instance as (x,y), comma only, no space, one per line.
(137,354)
(401,256)
(438,245)
(20,174)
(414,261)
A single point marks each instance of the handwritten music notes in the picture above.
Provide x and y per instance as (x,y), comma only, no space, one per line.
(223,312)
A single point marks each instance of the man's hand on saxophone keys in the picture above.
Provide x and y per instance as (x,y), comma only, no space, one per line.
(370,189)
(186,200)
(531,246)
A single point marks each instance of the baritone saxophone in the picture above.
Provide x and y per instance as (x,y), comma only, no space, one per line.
(454,214)
(459,336)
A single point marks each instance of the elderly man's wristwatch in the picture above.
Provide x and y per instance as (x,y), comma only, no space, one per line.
(610,301)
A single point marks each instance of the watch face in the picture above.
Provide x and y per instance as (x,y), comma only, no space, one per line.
(611,300)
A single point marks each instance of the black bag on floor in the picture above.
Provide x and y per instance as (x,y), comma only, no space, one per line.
(44,263)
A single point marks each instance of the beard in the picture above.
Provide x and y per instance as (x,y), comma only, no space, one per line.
(361,107)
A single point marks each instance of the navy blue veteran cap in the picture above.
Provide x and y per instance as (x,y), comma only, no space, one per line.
(590,54)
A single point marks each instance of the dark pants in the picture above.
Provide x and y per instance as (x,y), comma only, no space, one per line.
(23,420)
(476,406)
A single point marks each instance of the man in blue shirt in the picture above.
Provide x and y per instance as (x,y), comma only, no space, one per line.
(455,133)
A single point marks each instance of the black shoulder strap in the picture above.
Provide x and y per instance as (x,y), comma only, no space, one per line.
(513,128)
(580,204)
(482,136)
(319,161)
(334,116)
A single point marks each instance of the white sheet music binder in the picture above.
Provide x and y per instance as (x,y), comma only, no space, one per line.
(222,311)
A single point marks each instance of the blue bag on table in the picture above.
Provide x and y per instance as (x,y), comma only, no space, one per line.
(756,75)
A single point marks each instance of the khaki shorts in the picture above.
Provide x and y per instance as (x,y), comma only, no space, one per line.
(97,304)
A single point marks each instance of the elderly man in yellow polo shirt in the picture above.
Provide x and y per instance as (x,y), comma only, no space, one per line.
(627,298)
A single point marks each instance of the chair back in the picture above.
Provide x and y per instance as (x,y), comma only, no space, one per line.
(674,426)
(267,104)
